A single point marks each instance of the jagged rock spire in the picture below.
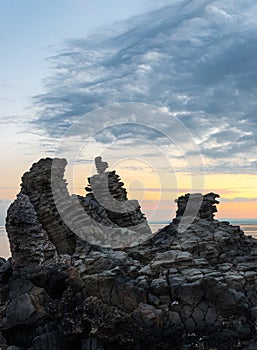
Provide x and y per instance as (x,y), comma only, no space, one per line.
(107,190)
(205,203)
(100,165)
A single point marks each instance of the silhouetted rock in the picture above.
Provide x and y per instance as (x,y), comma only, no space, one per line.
(205,203)
(100,165)
(110,197)
(177,289)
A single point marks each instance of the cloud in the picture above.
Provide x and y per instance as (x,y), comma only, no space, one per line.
(195,58)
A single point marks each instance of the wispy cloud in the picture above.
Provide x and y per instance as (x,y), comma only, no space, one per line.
(196,58)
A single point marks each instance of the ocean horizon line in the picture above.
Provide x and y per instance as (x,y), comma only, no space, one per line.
(166,222)
(241,220)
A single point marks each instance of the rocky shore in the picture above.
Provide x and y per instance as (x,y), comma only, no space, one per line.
(87,274)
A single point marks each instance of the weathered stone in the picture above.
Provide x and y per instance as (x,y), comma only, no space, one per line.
(110,201)
(205,203)
(190,293)
(159,287)
(6,270)
(191,288)
(199,318)
(154,300)
(149,315)
(46,189)
(2,340)
(91,344)
(20,310)
(250,275)
(227,301)
(50,340)
(211,316)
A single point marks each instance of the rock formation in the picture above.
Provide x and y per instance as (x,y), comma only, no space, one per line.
(108,192)
(100,165)
(207,206)
(195,289)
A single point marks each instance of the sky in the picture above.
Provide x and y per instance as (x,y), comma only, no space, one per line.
(165,92)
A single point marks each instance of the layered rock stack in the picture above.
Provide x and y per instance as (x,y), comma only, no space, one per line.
(206,206)
(44,205)
(45,187)
(195,289)
(35,227)
(106,188)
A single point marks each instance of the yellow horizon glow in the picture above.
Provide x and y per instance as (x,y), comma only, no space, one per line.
(230,210)
(154,197)
(153,187)
(237,210)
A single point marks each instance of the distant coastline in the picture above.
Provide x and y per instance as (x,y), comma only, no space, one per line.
(241,221)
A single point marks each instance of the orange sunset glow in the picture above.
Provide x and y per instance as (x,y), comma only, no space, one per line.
(238,192)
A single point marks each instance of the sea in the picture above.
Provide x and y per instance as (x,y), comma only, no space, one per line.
(249,226)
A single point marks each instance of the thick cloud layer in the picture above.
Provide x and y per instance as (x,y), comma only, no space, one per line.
(196,58)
